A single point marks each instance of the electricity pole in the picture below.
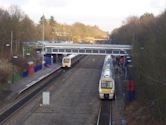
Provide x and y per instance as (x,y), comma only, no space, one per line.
(11,44)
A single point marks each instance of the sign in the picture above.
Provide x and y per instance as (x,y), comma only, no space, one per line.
(46,98)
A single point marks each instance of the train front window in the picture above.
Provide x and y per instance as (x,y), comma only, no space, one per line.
(106,85)
(66,60)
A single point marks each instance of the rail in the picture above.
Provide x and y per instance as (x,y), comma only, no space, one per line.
(105,113)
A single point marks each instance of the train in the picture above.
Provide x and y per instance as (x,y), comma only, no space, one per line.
(107,83)
(70,60)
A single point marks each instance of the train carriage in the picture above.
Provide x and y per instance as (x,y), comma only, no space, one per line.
(107,83)
(70,60)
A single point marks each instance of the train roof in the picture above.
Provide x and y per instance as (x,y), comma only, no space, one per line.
(108,57)
(71,56)
(107,68)
(106,73)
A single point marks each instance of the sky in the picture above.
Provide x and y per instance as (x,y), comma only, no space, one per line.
(107,14)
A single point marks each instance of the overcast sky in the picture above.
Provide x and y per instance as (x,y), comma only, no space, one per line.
(107,14)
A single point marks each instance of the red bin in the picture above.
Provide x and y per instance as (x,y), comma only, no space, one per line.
(31,67)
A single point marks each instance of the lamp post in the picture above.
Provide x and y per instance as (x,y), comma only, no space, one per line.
(23,51)
(52,59)
(43,52)
(43,32)
(13,73)
(11,43)
(43,38)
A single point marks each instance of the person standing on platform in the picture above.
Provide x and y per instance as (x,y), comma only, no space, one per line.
(131,90)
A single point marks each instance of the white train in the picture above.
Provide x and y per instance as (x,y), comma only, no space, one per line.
(107,83)
(70,60)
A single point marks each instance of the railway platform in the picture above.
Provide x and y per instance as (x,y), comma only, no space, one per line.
(24,83)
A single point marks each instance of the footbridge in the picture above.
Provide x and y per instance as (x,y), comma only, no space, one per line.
(85,49)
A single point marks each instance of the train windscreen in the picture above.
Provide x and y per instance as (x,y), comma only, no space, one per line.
(107,85)
(66,60)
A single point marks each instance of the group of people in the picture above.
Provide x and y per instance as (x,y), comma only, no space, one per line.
(121,66)
(119,63)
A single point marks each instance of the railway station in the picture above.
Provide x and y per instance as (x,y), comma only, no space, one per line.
(82,62)
(91,56)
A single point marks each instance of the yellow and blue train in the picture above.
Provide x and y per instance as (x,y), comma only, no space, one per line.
(107,83)
(70,60)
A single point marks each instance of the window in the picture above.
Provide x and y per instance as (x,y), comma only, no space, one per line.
(66,60)
(107,85)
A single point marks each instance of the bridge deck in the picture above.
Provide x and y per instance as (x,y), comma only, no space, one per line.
(86,49)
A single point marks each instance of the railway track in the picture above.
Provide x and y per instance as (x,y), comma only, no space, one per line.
(105,113)
(4,115)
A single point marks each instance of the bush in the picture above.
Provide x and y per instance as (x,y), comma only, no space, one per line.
(5,70)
